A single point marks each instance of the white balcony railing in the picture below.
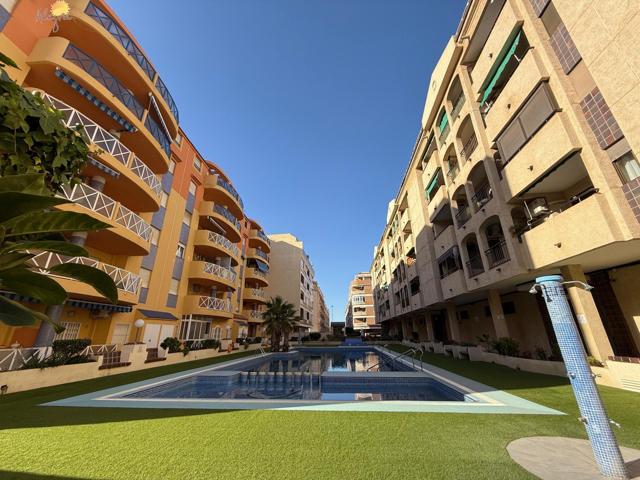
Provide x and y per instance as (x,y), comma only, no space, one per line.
(224,242)
(15,358)
(98,202)
(255,314)
(124,280)
(257,273)
(257,292)
(220,271)
(261,254)
(213,303)
(106,141)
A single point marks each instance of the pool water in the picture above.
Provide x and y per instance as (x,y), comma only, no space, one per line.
(354,374)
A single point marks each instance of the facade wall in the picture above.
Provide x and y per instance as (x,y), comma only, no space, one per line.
(360,314)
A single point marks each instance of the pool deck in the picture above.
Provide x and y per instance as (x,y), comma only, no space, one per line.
(480,398)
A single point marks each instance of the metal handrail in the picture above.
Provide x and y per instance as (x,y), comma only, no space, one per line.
(411,350)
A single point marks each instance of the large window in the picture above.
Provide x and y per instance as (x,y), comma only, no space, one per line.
(532,116)
(449,262)
(628,167)
(71,331)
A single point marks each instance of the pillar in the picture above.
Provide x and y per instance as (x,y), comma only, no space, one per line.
(430,335)
(452,321)
(584,307)
(497,315)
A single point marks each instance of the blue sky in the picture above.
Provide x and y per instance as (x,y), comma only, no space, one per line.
(311,106)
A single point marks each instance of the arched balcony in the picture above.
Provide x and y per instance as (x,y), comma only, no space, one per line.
(497,252)
(474,265)
(461,206)
(451,164)
(456,99)
(443,127)
(467,140)
(479,182)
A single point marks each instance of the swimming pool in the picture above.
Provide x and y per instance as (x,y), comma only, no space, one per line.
(339,378)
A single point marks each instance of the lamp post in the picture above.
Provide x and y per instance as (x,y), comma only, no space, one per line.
(138,324)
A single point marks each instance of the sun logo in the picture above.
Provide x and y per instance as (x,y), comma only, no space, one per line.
(60,8)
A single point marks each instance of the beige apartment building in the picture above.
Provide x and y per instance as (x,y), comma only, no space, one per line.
(320,320)
(360,313)
(292,277)
(525,164)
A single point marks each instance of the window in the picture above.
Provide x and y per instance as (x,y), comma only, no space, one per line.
(186,218)
(155,235)
(302,296)
(628,167)
(180,250)
(178,139)
(415,286)
(71,331)
(172,166)
(145,275)
(197,163)
(163,199)
(449,262)
(173,286)
(192,188)
(307,315)
(301,313)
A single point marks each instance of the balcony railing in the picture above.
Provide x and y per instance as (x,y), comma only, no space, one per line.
(158,133)
(213,303)
(453,171)
(220,271)
(111,83)
(257,273)
(124,280)
(257,292)
(444,134)
(463,215)
(474,267)
(104,140)
(229,188)
(264,237)
(100,203)
(457,106)
(469,147)
(255,314)
(482,196)
(224,242)
(261,254)
(497,254)
(132,49)
(227,214)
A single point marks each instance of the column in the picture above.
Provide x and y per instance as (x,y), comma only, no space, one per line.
(452,320)
(589,321)
(497,315)
(430,335)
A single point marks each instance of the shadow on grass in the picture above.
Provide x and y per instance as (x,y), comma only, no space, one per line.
(24,410)
(8,475)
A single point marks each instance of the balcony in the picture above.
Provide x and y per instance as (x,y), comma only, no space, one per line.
(137,183)
(259,254)
(128,283)
(89,86)
(469,147)
(212,273)
(482,196)
(445,240)
(214,244)
(437,202)
(224,218)
(253,315)
(257,275)
(208,306)
(457,107)
(129,234)
(259,238)
(444,134)
(255,294)
(474,267)
(218,190)
(497,254)
(453,171)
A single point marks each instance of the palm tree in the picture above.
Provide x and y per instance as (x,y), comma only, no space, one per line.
(279,320)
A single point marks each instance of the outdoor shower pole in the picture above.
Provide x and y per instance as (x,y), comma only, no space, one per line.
(593,415)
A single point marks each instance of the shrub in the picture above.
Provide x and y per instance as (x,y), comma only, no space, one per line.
(63,352)
(210,343)
(594,362)
(315,336)
(305,338)
(541,354)
(171,344)
(505,346)
(258,339)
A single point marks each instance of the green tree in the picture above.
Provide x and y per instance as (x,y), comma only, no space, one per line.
(279,321)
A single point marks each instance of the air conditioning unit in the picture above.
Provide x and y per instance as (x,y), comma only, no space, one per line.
(537,207)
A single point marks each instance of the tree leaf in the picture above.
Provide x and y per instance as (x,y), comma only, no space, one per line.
(52,222)
(34,285)
(22,203)
(15,314)
(12,260)
(7,61)
(61,247)
(98,279)
(27,183)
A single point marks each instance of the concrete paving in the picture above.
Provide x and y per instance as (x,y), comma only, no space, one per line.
(560,458)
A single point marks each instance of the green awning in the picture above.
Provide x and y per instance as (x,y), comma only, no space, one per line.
(443,121)
(432,184)
(500,69)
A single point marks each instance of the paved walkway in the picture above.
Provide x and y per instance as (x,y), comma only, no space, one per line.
(560,458)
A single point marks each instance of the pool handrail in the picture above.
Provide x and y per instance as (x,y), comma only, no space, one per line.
(411,351)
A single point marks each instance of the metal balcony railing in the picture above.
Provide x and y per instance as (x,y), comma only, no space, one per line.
(474,267)
(261,254)
(482,196)
(457,106)
(257,292)
(220,271)
(111,83)
(227,214)
(469,147)
(497,254)
(463,215)
(257,273)
(444,134)
(158,133)
(100,203)
(213,303)
(453,171)
(132,49)
(229,188)
(264,237)
(224,242)
(104,140)
(124,280)
(255,314)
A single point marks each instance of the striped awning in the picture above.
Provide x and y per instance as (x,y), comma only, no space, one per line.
(156,314)
(101,166)
(71,303)
(263,267)
(93,99)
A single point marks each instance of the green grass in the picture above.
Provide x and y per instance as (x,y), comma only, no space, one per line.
(100,443)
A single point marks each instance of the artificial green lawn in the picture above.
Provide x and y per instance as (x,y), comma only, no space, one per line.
(100,443)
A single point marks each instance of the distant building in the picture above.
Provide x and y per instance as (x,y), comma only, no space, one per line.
(320,320)
(360,314)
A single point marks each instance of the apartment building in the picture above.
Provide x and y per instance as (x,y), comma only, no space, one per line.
(320,319)
(525,164)
(184,255)
(292,277)
(360,312)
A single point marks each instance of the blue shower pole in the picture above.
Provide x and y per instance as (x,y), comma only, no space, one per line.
(593,415)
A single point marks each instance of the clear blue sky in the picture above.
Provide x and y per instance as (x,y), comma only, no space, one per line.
(311,106)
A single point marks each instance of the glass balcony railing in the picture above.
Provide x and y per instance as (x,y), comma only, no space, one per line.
(261,254)
(264,237)
(158,133)
(226,214)
(229,188)
(164,91)
(111,83)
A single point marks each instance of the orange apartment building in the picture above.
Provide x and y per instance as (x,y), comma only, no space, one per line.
(185,257)
(361,314)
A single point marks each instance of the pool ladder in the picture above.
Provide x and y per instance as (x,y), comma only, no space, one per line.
(411,352)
